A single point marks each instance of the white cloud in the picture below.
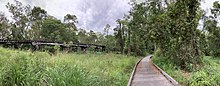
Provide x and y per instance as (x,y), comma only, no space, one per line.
(207,5)
(91,14)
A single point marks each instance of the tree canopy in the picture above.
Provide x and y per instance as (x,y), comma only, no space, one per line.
(167,28)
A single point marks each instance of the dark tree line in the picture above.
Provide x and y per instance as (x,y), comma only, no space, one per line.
(170,28)
(34,23)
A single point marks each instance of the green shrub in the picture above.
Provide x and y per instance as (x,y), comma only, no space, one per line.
(200,78)
(205,74)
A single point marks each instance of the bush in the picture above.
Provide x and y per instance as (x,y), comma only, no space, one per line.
(200,78)
(205,74)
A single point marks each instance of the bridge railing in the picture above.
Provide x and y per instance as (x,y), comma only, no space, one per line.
(37,43)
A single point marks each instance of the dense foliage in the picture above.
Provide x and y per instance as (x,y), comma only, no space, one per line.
(211,26)
(207,74)
(171,28)
(168,27)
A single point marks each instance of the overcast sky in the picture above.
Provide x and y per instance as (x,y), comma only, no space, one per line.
(91,14)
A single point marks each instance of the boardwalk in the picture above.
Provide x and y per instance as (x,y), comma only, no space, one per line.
(147,74)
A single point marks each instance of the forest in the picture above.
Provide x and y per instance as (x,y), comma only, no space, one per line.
(168,29)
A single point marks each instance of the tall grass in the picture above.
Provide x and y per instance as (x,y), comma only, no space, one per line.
(23,68)
(205,74)
(208,75)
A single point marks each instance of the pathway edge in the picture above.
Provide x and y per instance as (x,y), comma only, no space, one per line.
(132,74)
(173,81)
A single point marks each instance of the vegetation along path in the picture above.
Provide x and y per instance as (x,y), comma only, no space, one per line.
(147,74)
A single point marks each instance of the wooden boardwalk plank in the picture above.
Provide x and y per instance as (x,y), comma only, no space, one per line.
(147,74)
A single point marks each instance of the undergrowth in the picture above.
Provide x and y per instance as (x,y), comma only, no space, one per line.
(205,74)
(24,68)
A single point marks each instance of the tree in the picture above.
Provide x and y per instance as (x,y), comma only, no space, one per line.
(210,25)
(54,30)
(100,38)
(106,29)
(4,27)
(82,35)
(136,30)
(92,38)
(112,43)
(174,30)
(171,29)
(21,23)
(37,16)
(69,22)
(216,9)
(120,34)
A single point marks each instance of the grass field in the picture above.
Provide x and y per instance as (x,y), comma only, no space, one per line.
(205,74)
(24,68)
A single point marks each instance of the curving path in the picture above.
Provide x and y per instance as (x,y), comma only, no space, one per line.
(146,74)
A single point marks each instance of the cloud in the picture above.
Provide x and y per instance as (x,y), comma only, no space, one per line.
(91,14)
(207,5)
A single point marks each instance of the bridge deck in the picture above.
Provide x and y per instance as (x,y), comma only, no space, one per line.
(148,75)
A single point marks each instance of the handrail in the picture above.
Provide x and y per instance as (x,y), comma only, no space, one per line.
(132,74)
(43,42)
(174,82)
(169,78)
